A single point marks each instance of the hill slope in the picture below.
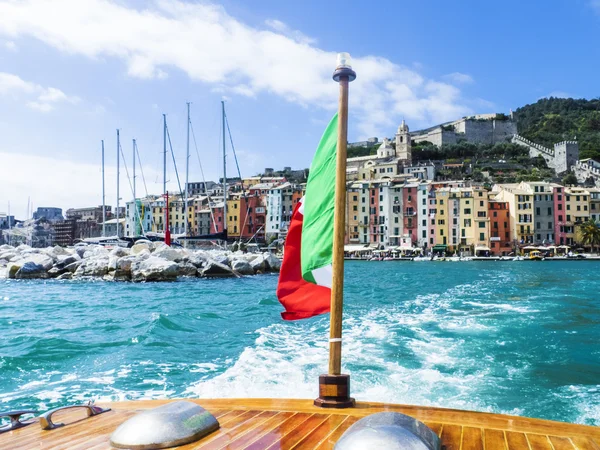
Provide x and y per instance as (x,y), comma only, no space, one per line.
(552,120)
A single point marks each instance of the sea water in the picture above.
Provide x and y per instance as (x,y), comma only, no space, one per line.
(508,337)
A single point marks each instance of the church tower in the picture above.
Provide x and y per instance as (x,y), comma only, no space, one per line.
(403,145)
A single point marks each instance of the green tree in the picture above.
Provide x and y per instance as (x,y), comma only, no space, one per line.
(590,234)
(569,179)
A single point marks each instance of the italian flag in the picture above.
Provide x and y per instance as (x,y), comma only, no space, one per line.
(304,287)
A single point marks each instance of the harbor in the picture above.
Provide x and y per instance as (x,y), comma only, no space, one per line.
(515,339)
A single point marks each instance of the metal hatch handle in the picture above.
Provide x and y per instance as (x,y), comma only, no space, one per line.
(15,421)
(46,418)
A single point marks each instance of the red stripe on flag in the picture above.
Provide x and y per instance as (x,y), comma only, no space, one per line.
(300,298)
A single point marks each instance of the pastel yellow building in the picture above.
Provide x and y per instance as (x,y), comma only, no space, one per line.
(233,217)
(520,204)
(481,220)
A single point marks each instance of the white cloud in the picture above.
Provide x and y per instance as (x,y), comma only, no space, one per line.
(14,86)
(280,27)
(457,77)
(10,45)
(210,46)
(61,183)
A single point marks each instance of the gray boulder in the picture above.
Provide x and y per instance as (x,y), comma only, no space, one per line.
(198,259)
(65,276)
(57,271)
(216,269)
(38,259)
(259,264)
(7,255)
(30,270)
(93,251)
(272,262)
(154,269)
(123,266)
(12,268)
(170,254)
(221,259)
(65,260)
(119,252)
(92,267)
(81,250)
(138,247)
(187,270)
(72,267)
(242,267)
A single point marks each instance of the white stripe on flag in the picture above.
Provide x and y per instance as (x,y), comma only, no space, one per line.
(301,208)
(323,276)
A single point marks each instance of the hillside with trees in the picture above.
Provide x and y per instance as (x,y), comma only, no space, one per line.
(551,120)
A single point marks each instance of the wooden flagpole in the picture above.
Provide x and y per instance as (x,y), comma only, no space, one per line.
(334,388)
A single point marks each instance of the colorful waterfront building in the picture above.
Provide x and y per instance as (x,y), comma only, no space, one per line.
(481,220)
(594,203)
(501,242)
(520,203)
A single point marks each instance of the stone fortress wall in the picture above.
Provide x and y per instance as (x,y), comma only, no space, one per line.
(478,129)
(587,169)
(561,158)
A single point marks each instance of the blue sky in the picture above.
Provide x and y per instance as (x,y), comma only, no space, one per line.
(72,71)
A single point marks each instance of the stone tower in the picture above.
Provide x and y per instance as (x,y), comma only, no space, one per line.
(403,146)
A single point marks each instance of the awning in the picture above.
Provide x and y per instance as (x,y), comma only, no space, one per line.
(356,248)
(482,248)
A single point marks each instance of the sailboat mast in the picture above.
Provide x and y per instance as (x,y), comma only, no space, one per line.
(165,167)
(187,173)
(224,169)
(103,195)
(9,225)
(118,176)
(135,210)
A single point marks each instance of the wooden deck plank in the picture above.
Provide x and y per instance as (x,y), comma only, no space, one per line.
(451,437)
(538,442)
(242,429)
(560,443)
(255,433)
(494,440)
(334,436)
(584,443)
(275,435)
(302,424)
(291,439)
(319,434)
(516,441)
(435,427)
(234,428)
(472,439)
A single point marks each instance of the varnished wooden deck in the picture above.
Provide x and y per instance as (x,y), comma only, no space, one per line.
(297,424)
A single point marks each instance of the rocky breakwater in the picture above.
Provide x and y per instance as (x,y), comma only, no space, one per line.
(142,262)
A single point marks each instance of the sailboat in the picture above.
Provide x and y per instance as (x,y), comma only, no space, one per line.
(333,420)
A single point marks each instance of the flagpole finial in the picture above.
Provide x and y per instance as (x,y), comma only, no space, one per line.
(344,67)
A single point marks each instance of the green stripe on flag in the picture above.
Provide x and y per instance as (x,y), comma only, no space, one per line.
(317,228)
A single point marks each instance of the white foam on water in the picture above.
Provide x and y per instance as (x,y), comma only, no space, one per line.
(586,401)
(286,360)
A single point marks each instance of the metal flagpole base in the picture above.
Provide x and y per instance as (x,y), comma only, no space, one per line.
(334,392)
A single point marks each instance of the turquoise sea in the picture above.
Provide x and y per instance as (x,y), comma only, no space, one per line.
(511,337)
